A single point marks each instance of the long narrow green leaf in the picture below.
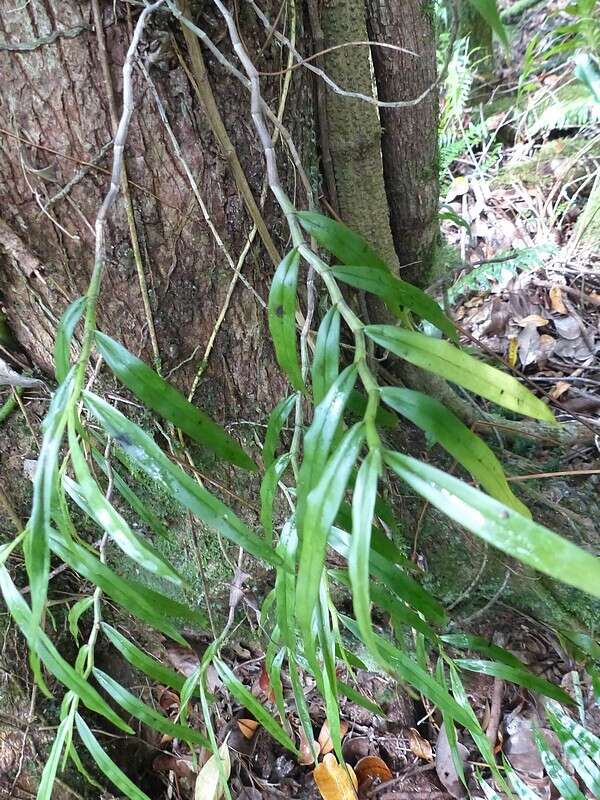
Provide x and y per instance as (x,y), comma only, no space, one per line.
(163,398)
(64,334)
(35,548)
(141,660)
(348,691)
(282,317)
(488,9)
(346,245)
(149,606)
(50,656)
(559,776)
(521,676)
(500,526)
(268,488)
(589,741)
(386,599)
(357,405)
(247,699)
(285,584)
(363,506)
(148,455)
(408,670)
(396,294)
(106,764)
(446,360)
(466,641)
(141,508)
(109,519)
(321,509)
(50,767)
(586,767)
(76,612)
(277,419)
(326,359)
(479,737)
(523,791)
(393,578)
(320,435)
(145,714)
(454,436)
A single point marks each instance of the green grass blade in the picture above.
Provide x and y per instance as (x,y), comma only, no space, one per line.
(106,765)
(145,714)
(348,691)
(64,334)
(149,606)
(466,447)
(148,455)
(446,360)
(396,294)
(523,791)
(163,398)
(44,791)
(500,526)
(277,419)
(321,509)
(50,656)
(586,767)
(559,776)
(326,359)
(282,317)
(363,507)
(521,676)
(247,699)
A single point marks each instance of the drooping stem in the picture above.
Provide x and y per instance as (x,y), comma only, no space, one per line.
(93,291)
(337,299)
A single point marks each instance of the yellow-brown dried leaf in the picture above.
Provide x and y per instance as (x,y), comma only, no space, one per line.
(419,746)
(333,781)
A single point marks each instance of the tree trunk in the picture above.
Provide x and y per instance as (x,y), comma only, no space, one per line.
(409,141)
(354,129)
(55,120)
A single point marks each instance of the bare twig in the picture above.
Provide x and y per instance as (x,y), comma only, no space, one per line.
(135,244)
(359,95)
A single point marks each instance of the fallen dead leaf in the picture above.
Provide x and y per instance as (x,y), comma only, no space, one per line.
(333,781)
(8,377)
(559,389)
(556,300)
(513,351)
(529,345)
(371,771)
(458,187)
(324,738)
(184,659)
(419,746)
(532,319)
(209,785)
(444,764)
(247,727)
(305,753)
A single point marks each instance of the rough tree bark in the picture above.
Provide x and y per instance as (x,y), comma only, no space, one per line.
(409,140)
(55,121)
